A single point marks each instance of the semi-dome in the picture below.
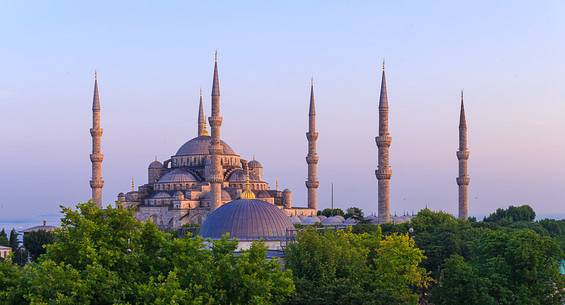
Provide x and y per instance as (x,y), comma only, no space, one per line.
(156,164)
(177,176)
(332,221)
(225,196)
(263,194)
(161,195)
(239,175)
(247,220)
(310,220)
(200,146)
(295,220)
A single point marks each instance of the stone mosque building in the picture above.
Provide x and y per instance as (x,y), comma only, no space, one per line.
(206,177)
(182,189)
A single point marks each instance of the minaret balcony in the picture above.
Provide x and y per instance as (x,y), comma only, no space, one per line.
(383,173)
(97,183)
(463,154)
(215,121)
(96,157)
(312,184)
(312,159)
(96,132)
(312,136)
(463,180)
(383,141)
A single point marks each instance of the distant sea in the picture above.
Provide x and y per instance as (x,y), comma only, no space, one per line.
(21,224)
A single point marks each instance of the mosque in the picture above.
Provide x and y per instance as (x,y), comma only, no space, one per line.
(204,174)
(207,183)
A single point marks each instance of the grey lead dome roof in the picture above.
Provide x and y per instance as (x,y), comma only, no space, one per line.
(247,220)
(200,146)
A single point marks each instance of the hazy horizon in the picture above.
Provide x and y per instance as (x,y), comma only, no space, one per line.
(153,58)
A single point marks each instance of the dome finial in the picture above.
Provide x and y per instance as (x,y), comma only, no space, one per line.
(247,194)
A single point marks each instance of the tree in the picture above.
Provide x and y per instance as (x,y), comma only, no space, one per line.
(14,243)
(35,242)
(506,267)
(4,239)
(331,212)
(512,214)
(355,213)
(106,256)
(340,267)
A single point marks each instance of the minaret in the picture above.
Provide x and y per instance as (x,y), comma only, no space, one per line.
(97,183)
(202,130)
(463,155)
(383,172)
(312,158)
(216,149)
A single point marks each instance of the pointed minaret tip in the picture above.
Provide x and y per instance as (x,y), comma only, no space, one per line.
(312,100)
(383,65)
(96,97)
(216,56)
(202,128)
(462,119)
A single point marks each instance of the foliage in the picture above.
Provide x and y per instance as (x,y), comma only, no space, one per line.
(505,267)
(35,242)
(331,212)
(13,242)
(355,213)
(4,238)
(341,267)
(108,257)
(512,214)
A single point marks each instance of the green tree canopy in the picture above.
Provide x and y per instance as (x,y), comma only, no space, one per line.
(14,243)
(108,257)
(512,214)
(4,239)
(35,242)
(340,267)
(331,212)
(355,213)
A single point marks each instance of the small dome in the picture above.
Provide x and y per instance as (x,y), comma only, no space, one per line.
(239,175)
(332,221)
(340,217)
(156,164)
(247,220)
(254,164)
(161,195)
(177,175)
(295,220)
(225,196)
(200,146)
(372,219)
(287,191)
(351,221)
(312,220)
(321,217)
(263,194)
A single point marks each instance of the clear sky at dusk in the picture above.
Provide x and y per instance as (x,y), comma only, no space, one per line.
(152,57)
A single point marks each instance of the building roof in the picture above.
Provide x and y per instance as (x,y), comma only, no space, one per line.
(43,227)
(200,146)
(5,248)
(177,175)
(247,219)
(225,196)
(332,221)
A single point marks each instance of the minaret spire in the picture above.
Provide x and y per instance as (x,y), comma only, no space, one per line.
(202,130)
(463,155)
(312,158)
(216,177)
(96,158)
(384,171)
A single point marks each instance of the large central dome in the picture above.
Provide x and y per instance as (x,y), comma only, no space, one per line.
(247,220)
(200,146)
